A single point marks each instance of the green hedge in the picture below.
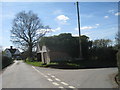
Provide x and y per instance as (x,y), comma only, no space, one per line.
(6,61)
(105,56)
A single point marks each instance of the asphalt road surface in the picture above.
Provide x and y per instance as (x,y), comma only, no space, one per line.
(22,75)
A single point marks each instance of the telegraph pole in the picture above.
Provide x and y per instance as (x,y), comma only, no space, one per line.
(80,49)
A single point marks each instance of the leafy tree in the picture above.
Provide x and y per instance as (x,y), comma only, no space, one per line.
(86,45)
(66,43)
(26,30)
(118,40)
(99,43)
(102,51)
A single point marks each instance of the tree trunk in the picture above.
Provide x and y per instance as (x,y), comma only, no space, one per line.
(30,51)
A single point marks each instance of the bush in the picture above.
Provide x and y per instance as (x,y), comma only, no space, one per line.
(6,61)
(105,55)
(30,59)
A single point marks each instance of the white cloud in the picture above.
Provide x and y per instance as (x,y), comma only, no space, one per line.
(57,29)
(118,13)
(62,18)
(97,24)
(75,35)
(85,28)
(106,17)
(82,33)
(114,12)
(88,27)
(111,11)
(39,31)
(48,30)
(108,33)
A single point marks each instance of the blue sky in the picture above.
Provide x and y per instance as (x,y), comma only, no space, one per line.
(98,19)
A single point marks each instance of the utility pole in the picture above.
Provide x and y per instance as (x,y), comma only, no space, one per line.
(80,49)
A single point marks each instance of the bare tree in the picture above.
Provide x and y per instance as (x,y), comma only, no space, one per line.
(27,30)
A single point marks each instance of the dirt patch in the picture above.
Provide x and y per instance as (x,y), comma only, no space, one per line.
(117,81)
(113,80)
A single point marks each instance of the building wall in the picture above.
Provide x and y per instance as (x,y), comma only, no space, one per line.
(17,52)
(39,57)
(46,55)
(59,56)
(7,53)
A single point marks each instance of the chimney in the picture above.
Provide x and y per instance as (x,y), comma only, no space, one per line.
(11,47)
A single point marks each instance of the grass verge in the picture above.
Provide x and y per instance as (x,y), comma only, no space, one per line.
(83,64)
(35,63)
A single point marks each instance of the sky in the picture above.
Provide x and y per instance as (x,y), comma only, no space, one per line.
(99,20)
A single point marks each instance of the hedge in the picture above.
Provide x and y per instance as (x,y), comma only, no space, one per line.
(6,61)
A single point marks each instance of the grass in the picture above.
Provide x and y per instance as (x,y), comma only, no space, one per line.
(64,65)
(73,64)
(40,64)
(35,63)
(52,64)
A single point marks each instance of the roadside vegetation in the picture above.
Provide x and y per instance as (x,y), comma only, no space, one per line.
(118,56)
(74,64)
(97,54)
(118,63)
(6,61)
(35,63)
(39,64)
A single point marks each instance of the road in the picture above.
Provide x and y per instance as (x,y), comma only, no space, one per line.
(22,75)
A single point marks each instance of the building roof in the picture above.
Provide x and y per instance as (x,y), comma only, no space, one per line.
(12,51)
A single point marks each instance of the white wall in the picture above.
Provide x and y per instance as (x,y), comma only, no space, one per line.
(17,52)
(7,53)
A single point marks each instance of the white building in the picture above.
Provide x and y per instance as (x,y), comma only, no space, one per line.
(12,53)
